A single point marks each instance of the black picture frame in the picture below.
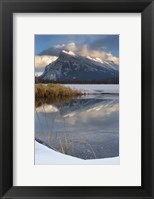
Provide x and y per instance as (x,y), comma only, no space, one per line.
(7,8)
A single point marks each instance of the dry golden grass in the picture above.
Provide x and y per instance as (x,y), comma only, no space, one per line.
(55,91)
(57,94)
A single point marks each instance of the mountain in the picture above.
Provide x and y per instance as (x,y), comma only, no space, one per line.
(86,105)
(70,67)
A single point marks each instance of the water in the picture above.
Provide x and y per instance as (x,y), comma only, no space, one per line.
(87,127)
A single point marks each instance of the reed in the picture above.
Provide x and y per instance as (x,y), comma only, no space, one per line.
(55,91)
(57,94)
(61,146)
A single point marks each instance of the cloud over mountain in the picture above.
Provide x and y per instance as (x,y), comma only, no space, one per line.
(43,60)
(49,55)
(76,68)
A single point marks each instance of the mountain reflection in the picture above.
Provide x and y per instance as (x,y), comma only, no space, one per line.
(86,128)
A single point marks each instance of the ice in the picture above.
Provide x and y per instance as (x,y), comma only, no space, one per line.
(96,88)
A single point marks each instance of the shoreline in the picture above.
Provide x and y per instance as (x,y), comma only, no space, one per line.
(47,156)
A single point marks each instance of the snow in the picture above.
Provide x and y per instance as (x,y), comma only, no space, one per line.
(69,62)
(95,88)
(69,52)
(47,156)
(95,59)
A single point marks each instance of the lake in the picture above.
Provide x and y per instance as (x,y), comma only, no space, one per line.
(85,127)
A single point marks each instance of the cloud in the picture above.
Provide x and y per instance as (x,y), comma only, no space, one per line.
(112,58)
(98,55)
(59,46)
(43,60)
(85,50)
(102,111)
(72,47)
(69,46)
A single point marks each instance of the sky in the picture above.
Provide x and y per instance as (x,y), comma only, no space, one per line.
(103,47)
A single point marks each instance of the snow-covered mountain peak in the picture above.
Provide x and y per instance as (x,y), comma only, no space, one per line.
(66,55)
(95,59)
(73,67)
(69,52)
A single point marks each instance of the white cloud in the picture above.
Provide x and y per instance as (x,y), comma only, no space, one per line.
(85,50)
(72,47)
(91,114)
(43,60)
(59,46)
(110,57)
(98,55)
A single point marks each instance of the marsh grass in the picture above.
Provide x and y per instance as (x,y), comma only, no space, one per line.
(57,94)
(39,121)
(66,145)
(72,148)
(61,146)
(55,91)
(59,141)
(50,137)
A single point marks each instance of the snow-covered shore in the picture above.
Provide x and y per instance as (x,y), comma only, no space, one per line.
(47,156)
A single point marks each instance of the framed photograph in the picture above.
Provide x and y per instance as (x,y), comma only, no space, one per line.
(76,99)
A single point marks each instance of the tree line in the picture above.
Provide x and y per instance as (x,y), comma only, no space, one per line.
(114,80)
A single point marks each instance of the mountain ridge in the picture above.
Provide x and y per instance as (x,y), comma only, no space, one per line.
(73,67)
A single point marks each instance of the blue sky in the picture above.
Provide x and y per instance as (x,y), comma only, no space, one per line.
(105,43)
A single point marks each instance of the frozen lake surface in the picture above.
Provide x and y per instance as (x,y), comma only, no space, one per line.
(86,128)
(96,88)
